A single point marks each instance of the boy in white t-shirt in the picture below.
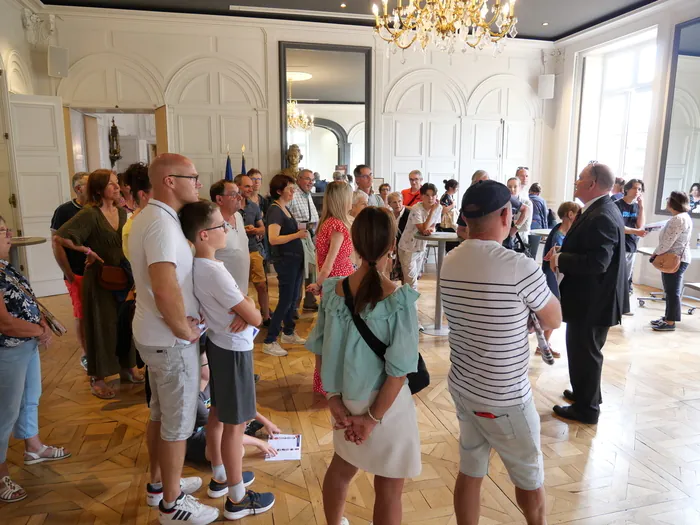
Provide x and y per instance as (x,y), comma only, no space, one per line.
(230,355)
(424,217)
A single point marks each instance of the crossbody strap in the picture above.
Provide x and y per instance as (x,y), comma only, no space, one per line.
(375,344)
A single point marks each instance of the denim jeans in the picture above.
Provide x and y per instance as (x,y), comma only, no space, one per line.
(290,275)
(673,285)
(20,390)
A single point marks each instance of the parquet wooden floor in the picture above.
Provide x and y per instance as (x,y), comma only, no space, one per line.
(640,465)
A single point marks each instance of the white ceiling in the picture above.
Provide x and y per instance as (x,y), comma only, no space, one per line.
(338,76)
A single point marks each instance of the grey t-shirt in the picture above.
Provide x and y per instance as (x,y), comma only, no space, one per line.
(251,215)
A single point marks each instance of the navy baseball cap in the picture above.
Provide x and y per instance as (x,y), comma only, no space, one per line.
(483,198)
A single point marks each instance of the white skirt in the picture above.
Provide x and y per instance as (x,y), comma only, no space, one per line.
(393,448)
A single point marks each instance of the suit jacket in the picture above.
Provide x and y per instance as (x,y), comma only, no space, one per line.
(592,259)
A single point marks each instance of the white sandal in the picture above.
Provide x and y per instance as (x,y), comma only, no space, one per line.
(9,494)
(56,454)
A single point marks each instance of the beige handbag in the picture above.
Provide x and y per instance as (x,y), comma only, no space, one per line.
(667,262)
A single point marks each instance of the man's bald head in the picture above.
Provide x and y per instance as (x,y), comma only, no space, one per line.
(174,179)
(165,165)
(594,181)
(602,174)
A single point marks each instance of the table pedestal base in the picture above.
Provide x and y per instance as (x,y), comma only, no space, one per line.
(431,330)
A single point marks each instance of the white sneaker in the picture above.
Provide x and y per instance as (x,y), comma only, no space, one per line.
(274,349)
(187,485)
(188,510)
(344,521)
(293,339)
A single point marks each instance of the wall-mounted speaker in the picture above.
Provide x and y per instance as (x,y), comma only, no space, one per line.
(58,62)
(545,87)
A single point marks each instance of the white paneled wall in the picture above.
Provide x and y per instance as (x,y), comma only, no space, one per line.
(219,78)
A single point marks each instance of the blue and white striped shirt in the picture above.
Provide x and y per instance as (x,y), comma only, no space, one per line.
(488,292)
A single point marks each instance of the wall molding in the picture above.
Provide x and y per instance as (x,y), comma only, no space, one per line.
(19,76)
(504,81)
(402,85)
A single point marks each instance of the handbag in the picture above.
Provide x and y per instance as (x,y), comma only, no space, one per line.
(666,262)
(113,278)
(448,220)
(417,380)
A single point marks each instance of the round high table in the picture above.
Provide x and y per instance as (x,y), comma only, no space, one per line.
(21,242)
(442,238)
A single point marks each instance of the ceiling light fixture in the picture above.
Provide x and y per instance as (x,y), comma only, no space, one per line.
(298,76)
(545,23)
(447,24)
(343,6)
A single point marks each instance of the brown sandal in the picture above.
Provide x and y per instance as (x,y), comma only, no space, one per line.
(101,392)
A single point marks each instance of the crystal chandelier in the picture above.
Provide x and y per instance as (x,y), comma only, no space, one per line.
(297,118)
(448,24)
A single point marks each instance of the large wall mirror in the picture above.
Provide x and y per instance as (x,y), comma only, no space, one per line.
(332,84)
(680,159)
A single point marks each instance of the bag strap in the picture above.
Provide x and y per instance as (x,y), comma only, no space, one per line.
(375,344)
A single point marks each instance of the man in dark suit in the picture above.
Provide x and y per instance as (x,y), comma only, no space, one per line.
(593,290)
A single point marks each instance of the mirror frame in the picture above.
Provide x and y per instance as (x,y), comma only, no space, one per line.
(365,50)
(659,207)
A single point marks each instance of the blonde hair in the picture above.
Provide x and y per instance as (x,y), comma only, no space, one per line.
(337,201)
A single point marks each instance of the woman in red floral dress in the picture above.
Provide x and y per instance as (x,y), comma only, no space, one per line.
(333,243)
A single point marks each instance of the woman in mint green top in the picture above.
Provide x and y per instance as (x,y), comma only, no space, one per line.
(349,366)
(375,424)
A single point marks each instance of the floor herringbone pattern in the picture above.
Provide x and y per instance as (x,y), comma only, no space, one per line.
(639,465)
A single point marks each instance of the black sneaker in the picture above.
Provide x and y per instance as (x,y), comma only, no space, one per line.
(83,362)
(657,321)
(256,378)
(218,489)
(664,327)
(252,428)
(253,503)
(312,307)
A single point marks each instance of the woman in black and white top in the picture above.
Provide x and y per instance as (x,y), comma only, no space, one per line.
(674,238)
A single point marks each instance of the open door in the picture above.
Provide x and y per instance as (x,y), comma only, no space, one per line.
(162,130)
(38,147)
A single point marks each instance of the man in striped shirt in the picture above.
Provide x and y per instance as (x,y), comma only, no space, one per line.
(489,293)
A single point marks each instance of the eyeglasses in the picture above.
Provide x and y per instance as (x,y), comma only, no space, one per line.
(415,180)
(194,178)
(256,179)
(236,195)
(523,168)
(363,176)
(7,232)
(223,226)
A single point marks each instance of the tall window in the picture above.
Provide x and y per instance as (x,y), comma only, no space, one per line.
(616,108)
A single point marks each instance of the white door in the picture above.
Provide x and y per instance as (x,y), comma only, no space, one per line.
(443,149)
(486,148)
(518,138)
(41,178)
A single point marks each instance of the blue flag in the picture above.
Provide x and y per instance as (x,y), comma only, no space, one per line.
(243,171)
(229,171)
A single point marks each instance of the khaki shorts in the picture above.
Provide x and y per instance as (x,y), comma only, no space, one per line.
(514,433)
(173,374)
(257,270)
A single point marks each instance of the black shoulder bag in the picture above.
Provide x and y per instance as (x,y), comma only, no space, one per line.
(418,380)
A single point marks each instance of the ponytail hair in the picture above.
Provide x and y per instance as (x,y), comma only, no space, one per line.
(373,235)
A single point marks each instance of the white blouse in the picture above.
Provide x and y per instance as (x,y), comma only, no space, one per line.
(675,237)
